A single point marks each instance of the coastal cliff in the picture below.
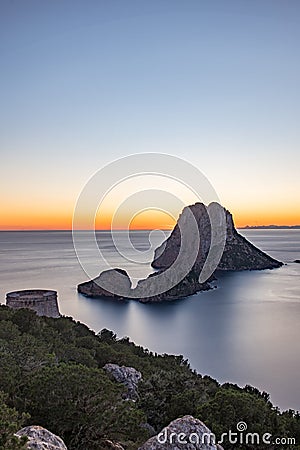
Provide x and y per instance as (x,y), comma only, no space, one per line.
(189,243)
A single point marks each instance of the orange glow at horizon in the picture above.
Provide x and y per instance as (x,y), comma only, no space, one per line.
(265,217)
(148,220)
(22,219)
(145,220)
(36,217)
(36,222)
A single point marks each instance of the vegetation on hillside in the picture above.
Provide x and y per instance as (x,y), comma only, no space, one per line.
(51,374)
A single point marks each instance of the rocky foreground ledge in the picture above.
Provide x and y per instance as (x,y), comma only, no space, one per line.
(238,254)
(40,438)
(184,433)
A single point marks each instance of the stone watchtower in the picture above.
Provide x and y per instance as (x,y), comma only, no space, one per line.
(43,302)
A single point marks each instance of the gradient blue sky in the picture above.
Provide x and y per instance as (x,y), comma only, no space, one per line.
(85,82)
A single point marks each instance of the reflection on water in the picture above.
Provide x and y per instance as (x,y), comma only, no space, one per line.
(245,331)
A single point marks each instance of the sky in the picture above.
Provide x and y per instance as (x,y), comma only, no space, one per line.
(84,83)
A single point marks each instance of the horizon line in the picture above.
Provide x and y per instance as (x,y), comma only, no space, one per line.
(270,226)
(70,229)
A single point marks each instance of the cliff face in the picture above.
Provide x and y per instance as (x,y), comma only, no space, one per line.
(182,259)
(238,253)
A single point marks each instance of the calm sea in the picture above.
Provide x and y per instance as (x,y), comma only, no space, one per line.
(246,331)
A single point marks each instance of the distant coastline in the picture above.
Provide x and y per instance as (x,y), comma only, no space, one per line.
(270,227)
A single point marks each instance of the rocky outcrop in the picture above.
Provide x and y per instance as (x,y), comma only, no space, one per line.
(183,259)
(186,433)
(128,376)
(104,285)
(189,285)
(111,445)
(238,253)
(41,439)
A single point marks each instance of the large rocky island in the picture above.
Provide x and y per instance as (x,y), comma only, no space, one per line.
(185,251)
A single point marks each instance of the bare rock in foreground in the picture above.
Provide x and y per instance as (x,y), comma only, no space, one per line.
(111,445)
(185,433)
(127,376)
(41,439)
